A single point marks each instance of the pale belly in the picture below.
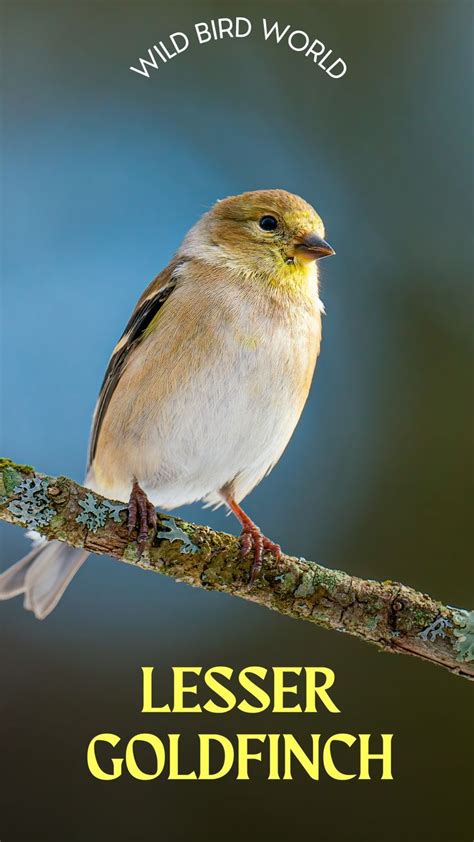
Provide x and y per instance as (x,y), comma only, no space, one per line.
(226,432)
(221,420)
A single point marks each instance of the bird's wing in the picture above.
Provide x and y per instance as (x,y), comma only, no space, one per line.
(138,326)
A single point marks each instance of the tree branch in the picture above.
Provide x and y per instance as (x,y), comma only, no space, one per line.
(392,616)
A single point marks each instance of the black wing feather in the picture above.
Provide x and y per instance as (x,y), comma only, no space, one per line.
(140,319)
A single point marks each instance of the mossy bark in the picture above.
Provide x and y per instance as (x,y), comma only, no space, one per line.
(390,615)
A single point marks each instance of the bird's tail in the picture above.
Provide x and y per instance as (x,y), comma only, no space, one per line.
(43,575)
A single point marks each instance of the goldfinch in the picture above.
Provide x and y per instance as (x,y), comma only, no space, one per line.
(208,380)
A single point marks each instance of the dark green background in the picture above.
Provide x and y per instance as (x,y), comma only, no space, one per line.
(104,171)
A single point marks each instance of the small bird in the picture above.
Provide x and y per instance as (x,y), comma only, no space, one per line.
(207,382)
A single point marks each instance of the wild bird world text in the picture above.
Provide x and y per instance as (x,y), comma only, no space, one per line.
(217,29)
(252,690)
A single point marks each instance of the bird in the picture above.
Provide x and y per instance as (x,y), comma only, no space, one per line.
(207,382)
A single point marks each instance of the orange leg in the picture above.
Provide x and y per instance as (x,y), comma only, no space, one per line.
(252,538)
(141,514)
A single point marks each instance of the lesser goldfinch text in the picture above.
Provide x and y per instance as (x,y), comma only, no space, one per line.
(252,690)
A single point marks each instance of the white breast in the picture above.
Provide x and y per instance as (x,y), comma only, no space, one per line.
(236,387)
(232,421)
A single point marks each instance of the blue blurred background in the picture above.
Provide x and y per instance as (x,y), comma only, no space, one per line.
(103,173)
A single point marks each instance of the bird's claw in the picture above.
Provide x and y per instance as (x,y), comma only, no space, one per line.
(251,538)
(141,515)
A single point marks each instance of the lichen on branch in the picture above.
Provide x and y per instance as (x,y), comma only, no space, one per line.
(390,615)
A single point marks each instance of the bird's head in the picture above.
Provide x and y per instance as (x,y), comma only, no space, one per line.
(266,234)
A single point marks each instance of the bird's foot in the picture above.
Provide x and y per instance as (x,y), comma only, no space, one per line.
(142,515)
(251,538)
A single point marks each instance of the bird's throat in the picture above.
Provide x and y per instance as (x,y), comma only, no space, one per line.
(298,278)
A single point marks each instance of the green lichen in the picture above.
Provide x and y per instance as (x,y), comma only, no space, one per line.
(464,634)
(306,585)
(32,504)
(175,533)
(10,479)
(130,552)
(11,475)
(216,574)
(57,521)
(372,622)
(115,510)
(287,582)
(422,617)
(328,579)
(7,463)
(55,524)
(320,617)
(436,629)
(95,512)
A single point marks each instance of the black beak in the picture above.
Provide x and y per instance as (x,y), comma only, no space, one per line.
(314,247)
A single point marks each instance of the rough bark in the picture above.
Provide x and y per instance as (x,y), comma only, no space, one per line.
(390,615)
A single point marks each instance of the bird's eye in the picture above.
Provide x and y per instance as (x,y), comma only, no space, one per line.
(268,223)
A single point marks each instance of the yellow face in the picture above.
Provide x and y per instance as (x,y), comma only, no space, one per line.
(268,233)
